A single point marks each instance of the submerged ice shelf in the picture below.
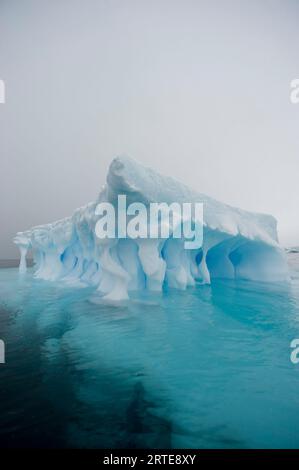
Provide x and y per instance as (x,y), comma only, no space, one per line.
(236,243)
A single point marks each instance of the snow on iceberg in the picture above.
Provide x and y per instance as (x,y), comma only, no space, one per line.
(236,243)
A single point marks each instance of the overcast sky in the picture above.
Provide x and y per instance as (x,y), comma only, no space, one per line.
(196,89)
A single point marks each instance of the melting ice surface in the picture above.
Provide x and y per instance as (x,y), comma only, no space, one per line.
(209,367)
(236,244)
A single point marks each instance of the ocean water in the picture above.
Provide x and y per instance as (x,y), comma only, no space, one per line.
(205,368)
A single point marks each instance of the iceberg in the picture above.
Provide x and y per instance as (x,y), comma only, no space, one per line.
(237,244)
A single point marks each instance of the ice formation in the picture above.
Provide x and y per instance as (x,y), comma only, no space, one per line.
(236,243)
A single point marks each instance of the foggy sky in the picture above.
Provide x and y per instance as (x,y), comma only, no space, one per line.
(196,89)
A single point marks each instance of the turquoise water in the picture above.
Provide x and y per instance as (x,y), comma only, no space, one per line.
(205,368)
